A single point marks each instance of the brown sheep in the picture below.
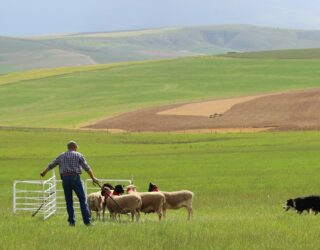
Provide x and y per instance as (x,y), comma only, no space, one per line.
(95,203)
(123,204)
(176,200)
(151,202)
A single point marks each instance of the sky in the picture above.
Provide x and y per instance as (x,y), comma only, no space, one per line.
(39,17)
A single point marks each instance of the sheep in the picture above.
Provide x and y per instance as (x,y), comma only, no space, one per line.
(176,200)
(122,204)
(151,202)
(95,203)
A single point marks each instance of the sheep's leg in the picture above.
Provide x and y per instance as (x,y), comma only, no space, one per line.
(164,212)
(159,215)
(132,216)
(112,216)
(103,213)
(190,213)
(159,212)
(137,216)
(99,215)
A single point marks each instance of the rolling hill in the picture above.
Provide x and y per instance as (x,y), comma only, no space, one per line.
(79,96)
(97,48)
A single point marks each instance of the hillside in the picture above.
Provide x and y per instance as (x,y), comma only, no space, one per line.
(21,54)
(77,97)
(92,48)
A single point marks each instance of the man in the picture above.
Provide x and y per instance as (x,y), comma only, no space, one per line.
(70,164)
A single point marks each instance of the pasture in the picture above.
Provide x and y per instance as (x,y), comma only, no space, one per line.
(75,97)
(240,183)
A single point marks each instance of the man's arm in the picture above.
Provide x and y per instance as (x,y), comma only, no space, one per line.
(94,179)
(50,166)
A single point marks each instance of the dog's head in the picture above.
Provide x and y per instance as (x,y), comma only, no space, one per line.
(152,187)
(290,204)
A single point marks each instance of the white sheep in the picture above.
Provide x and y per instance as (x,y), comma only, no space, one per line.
(95,203)
(123,204)
(176,200)
(151,202)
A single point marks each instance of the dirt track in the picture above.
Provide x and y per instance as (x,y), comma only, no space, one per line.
(284,111)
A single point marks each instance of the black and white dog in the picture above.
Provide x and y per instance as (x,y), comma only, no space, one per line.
(300,204)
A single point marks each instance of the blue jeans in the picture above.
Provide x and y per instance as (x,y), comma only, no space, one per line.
(70,183)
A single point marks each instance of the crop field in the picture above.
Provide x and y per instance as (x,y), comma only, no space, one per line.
(240,183)
(71,98)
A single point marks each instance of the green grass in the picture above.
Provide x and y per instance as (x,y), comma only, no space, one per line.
(71,98)
(16,77)
(240,182)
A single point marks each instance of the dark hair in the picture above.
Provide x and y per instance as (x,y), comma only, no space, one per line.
(72,144)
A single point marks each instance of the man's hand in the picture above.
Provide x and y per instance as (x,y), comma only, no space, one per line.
(44,172)
(95,181)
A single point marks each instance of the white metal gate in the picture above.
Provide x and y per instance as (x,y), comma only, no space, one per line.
(32,195)
(48,195)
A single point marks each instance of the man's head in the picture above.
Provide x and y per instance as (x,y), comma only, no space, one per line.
(72,145)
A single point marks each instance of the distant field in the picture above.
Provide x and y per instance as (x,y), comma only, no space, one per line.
(240,183)
(279,54)
(80,98)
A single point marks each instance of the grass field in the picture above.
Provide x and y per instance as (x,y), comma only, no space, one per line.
(240,182)
(71,98)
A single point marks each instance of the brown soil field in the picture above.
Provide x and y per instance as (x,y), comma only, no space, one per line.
(295,110)
(207,108)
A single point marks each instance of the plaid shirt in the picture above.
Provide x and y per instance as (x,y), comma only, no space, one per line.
(70,162)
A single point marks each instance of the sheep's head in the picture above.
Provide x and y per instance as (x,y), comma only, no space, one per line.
(108,185)
(131,188)
(118,190)
(105,191)
(153,187)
